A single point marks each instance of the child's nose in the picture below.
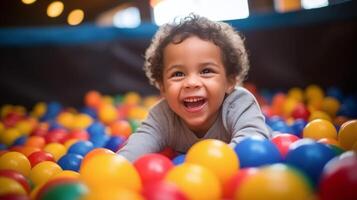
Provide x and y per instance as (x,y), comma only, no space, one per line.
(192,81)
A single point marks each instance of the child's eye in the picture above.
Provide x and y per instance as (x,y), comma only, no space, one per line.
(206,71)
(177,74)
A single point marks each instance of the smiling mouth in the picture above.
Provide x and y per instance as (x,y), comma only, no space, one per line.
(194,104)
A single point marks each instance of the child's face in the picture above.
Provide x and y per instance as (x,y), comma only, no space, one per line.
(195,82)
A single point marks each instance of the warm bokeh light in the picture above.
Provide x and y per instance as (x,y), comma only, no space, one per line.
(55,9)
(75,17)
(28,1)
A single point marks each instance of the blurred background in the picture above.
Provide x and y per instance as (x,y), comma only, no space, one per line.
(59,50)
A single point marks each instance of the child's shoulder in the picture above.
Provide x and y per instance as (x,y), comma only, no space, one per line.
(240,93)
(161,108)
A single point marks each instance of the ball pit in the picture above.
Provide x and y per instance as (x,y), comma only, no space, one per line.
(57,152)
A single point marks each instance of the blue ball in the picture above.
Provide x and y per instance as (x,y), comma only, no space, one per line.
(89,111)
(53,109)
(96,129)
(335,92)
(20,141)
(281,126)
(310,157)
(256,151)
(70,161)
(273,119)
(3,147)
(99,141)
(114,143)
(298,126)
(81,147)
(178,160)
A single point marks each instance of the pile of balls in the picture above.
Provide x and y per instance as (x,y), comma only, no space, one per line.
(52,152)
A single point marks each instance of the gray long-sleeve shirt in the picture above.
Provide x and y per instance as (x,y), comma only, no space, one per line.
(240,116)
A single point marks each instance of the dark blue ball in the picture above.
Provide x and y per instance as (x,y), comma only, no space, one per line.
(298,126)
(81,147)
(256,151)
(178,160)
(70,161)
(114,143)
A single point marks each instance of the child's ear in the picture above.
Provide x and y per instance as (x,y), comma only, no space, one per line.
(232,82)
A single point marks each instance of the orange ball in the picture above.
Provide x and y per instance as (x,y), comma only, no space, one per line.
(320,128)
(121,128)
(195,181)
(347,135)
(35,141)
(95,152)
(107,113)
(216,156)
(93,99)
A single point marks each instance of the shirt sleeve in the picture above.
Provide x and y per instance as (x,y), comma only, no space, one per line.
(243,117)
(148,138)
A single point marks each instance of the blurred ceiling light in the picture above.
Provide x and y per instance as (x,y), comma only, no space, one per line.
(309,4)
(28,1)
(168,10)
(127,18)
(55,9)
(75,17)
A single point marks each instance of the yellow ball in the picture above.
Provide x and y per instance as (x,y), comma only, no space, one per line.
(39,109)
(43,171)
(66,174)
(24,126)
(107,113)
(15,161)
(296,93)
(82,121)
(66,119)
(330,105)
(10,186)
(347,135)
(216,156)
(314,91)
(9,136)
(288,106)
(319,115)
(110,170)
(138,113)
(318,129)
(275,182)
(196,181)
(56,149)
(5,109)
(110,192)
(132,98)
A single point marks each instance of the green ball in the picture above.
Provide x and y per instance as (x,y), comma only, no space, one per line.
(66,191)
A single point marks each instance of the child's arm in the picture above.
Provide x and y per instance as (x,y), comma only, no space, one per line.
(149,137)
(243,116)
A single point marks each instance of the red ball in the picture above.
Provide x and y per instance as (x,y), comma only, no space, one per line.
(168,152)
(14,197)
(56,135)
(152,167)
(300,112)
(39,156)
(283,141)
(162,190)
(339,178)
(78,134)
(231,186)
(18,177)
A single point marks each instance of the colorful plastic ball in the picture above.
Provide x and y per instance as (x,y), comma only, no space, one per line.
(35,141)
(18,177)
(335,92)
(288,106)
(273,119)
(81,147)
(107,113)
(9,136)
(162,190)
(15,161)
(330,141)
(339,180)
(283,142)
(296,93)
(40,156)
(39,109)
(89,111)
(276,181)
(96,129)
(232,185)
(93,99)
(80,134)
(56,135)
(99,141)
(281,126)
(14,197)
(68,191)
(44,171)
(81,121)
(114,143)
(27,151)
(195,181)
(121,128)
(320,128)
(178,160)
(53,109)
(152,167)
(331,106)
(110,192)
(310,157)
(70,161)
(56,149)
(168,152)
(317,114)
(216,155)
(66,174)
(10,186)
(347,135)
(20,141)
(95,152)
(256,151)
(110,169)
(300,112)
(65,119)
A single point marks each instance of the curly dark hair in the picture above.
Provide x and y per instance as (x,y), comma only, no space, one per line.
(234,54)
